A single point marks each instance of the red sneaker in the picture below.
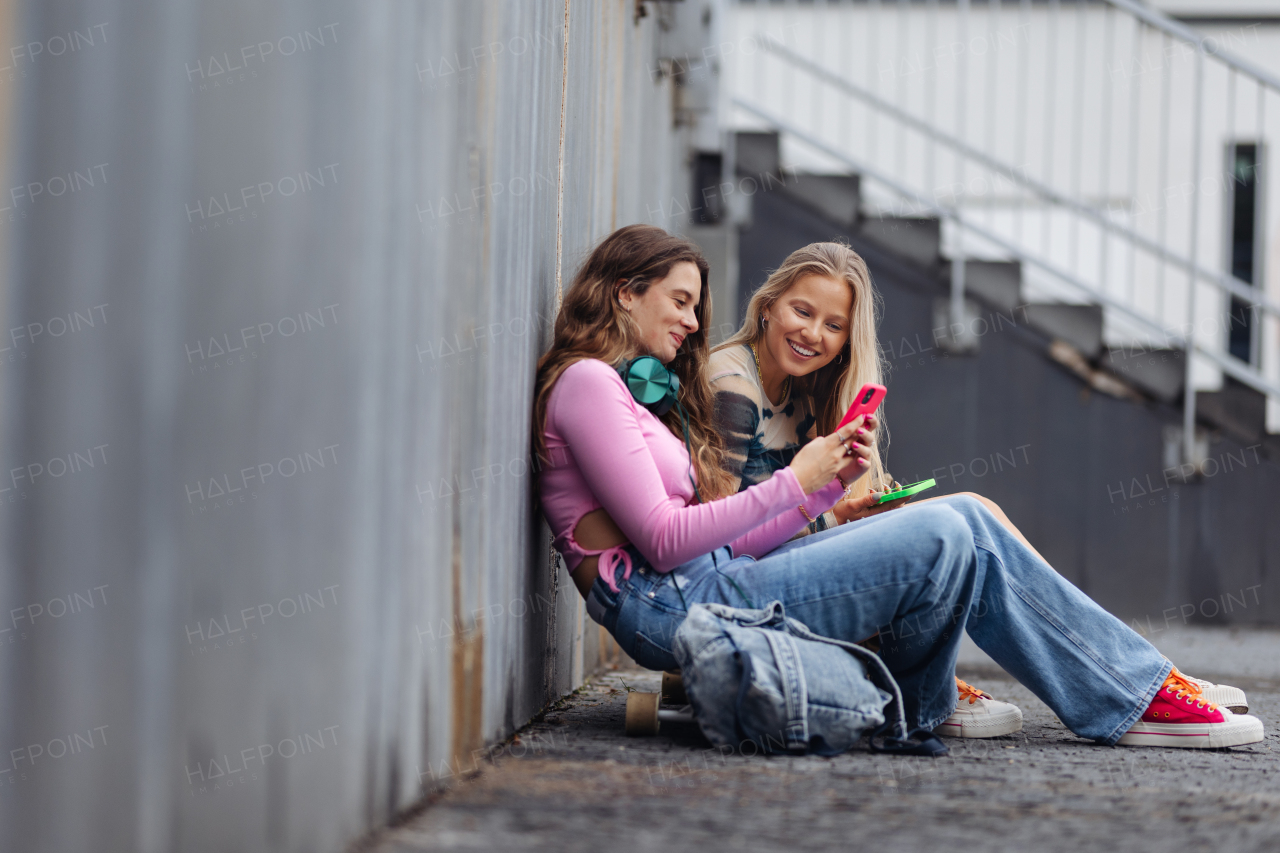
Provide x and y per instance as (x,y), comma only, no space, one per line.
(1180,716)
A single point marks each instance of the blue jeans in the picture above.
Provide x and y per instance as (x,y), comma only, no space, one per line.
(918,575)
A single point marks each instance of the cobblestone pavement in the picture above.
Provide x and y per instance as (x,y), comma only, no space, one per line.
(572,781)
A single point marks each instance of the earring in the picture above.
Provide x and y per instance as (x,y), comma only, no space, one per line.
(764,321)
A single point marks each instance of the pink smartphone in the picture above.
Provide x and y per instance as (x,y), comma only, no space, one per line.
(867,401)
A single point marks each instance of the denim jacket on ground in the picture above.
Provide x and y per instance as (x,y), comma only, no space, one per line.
(758,675)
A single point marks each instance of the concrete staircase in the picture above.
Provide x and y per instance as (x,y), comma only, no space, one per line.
(1075,331)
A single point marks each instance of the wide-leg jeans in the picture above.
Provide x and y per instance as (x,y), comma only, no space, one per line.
(918,575)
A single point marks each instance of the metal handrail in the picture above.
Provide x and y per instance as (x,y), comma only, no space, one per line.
(1168,25)
(1225,281)
(1232,366)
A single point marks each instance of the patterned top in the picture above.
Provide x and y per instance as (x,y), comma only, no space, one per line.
(759,438)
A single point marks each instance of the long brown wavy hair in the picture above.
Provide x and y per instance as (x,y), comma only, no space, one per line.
(833,386)
(593,324)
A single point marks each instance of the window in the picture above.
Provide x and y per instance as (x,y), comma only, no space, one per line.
(1243,244)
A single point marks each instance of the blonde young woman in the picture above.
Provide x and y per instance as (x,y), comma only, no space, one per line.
(807,345)
(649,524)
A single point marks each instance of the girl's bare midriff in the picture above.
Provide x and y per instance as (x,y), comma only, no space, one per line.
(595,531)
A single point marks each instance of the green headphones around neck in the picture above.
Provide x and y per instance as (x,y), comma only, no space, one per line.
(651,383)
(657,389)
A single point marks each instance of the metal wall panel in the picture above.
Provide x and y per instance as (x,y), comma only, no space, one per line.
(276,278)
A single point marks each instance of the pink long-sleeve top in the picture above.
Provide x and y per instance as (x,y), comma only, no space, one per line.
(606,450)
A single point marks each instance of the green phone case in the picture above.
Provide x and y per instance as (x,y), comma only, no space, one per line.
(907,491)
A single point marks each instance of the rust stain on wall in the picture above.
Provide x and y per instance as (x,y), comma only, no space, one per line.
(468,694)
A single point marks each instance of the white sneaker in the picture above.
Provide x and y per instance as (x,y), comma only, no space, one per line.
(1224,695)
(979,715)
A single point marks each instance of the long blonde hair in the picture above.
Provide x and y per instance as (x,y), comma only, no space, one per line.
(592,324)
(833,386)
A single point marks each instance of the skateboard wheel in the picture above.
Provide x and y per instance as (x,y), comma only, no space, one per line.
(673,688)
(642,714)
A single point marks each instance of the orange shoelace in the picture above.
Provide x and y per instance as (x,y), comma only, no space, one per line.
(1183,686)
(973,694)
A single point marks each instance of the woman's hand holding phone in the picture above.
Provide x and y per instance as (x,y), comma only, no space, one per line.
(852,509)
(819,461)
(847,451)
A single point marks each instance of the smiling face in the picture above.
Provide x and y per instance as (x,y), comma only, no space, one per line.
(808,325)
(665,311)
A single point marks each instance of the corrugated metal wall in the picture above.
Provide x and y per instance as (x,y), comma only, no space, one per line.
(277,275)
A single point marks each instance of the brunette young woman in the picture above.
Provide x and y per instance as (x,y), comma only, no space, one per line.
(648,528)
